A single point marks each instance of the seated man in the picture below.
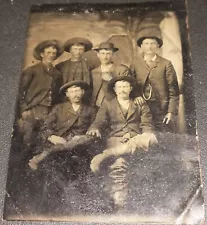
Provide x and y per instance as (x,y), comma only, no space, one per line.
(67,123)
(127,125)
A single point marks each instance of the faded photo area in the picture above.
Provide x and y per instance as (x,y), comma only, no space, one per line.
(105,126)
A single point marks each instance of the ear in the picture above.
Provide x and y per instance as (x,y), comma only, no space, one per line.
(41,54)
(83,91)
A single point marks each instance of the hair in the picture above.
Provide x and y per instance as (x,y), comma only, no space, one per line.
(123,81)
(77,44)
(47,46)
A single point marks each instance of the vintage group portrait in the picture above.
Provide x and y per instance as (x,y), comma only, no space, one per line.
(105,120)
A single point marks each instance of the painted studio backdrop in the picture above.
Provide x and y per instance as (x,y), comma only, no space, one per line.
(166,185)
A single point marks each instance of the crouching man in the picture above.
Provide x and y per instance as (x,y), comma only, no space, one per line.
(67,123)
(129,129)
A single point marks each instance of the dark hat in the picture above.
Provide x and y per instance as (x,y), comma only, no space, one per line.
(80,83)
(45,44)
(106,45)
(149,32)
(88,45)
(112,82)
(159,41)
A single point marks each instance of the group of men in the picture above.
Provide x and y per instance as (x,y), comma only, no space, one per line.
(75,104)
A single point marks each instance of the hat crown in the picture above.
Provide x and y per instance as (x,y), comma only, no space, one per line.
(106,45)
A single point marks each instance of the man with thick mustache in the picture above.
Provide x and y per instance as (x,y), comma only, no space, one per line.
(122,122)
(67,124)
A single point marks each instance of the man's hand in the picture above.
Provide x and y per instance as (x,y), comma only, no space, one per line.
(168,117)
(151,137)
(139,101)
(137,143)
(54,139)
(26,114)
(94,133)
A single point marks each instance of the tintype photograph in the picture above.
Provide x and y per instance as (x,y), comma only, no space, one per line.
(105,120)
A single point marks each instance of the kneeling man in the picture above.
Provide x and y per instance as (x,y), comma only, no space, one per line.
(129,128)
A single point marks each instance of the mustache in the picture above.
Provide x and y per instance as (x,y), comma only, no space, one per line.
(76,97)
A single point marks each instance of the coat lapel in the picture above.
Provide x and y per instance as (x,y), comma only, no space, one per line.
(119,112)
(132,109)
(97,81)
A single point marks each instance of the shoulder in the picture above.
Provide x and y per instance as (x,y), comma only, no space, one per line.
(96,70)
(89,108)
(110,102)
(61,64)
(60,106)
(163,60)
(122,67)
(32,68)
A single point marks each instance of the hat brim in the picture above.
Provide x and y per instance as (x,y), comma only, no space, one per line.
(113,49)
(159,41)
(81,84)
(129,79)
(88,44)
(45,44)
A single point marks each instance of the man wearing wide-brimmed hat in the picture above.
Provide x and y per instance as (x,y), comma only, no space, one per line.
(67,123)
(39,86)
(105,72)
(157,77)
(122,122)
(77,67)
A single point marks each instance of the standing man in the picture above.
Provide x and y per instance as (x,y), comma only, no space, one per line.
(105,72)
(157,77)
(122,121)
(39,87)
(76,68)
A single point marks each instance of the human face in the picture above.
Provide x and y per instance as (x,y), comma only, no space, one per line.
(105,56)
(122,89)
(48,55)
(75,94)
(149,46)
(77,51)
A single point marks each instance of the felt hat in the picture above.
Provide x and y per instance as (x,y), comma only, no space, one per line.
(45,44)
(129,79)
(152,33)
(107,46)
(78,40)
(79,83)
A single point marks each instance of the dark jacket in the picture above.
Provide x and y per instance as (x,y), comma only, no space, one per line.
(117,70)
(37,83)
(63,119)
(81,69)
(163,80)
(110,117)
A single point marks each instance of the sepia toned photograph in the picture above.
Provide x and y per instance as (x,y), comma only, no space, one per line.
(105,120)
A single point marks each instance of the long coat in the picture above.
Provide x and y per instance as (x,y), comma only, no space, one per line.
(116,70)
(163,80)
(63,117)
(36,81)
(110,117)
